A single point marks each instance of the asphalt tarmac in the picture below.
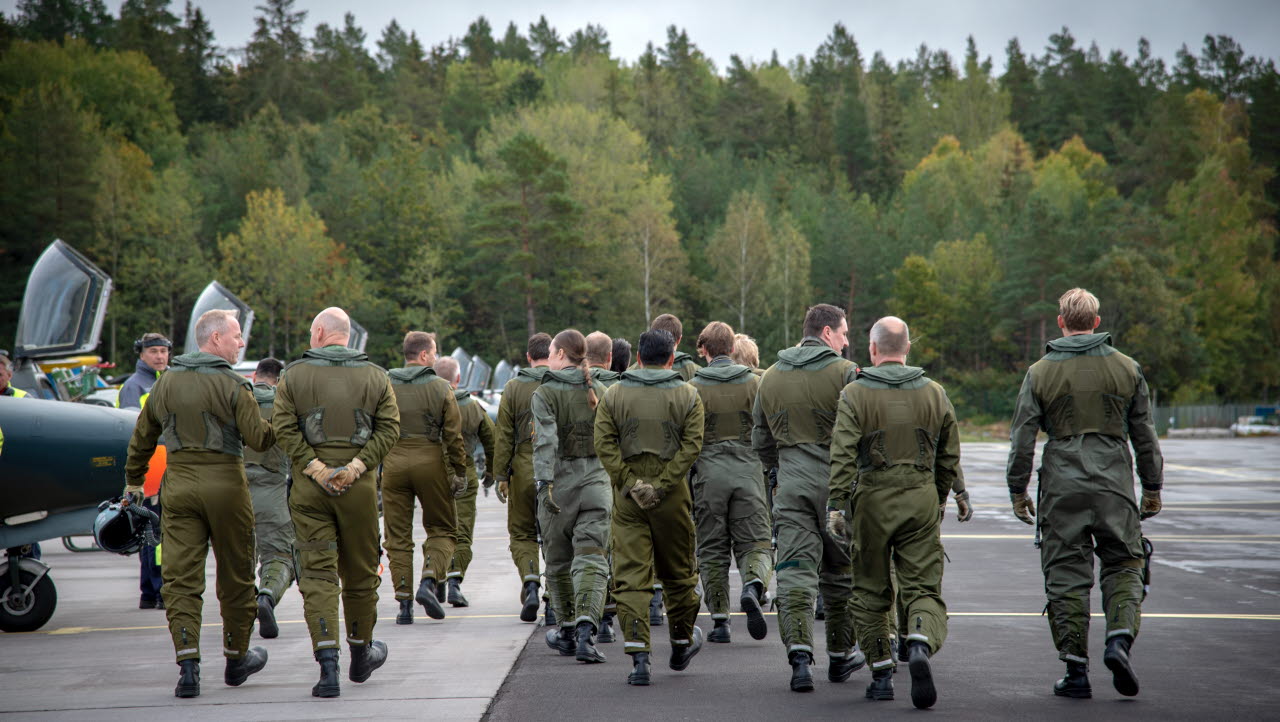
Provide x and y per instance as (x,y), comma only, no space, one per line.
(1207,649)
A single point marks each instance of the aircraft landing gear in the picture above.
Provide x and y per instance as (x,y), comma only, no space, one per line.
(27,594)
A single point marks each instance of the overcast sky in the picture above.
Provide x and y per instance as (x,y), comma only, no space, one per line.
(755,28)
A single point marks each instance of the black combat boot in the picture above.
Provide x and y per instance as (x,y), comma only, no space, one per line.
(159,602)
(144,603)
(720,632)
(820,612)
(655,608)
(267,626)
(587,651)
(682,654)
(188,679)
(1117,660)
(605,635)
(801,676)
(328,685)
(406,612)
(923,693)
(548,614)
(238,670)
(881,687)
(441,588)
(752,602)
(427,596)
(365,658)
(455,593)
(639,670)
(1076,684)
(840,668)
(562,640)
(531,600)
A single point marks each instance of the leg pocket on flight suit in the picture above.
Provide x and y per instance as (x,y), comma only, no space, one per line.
(319,560)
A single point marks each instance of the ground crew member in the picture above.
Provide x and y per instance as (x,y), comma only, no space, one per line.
(730,504)
(513,468)
(6,374)
(575,500)
(794,412)
(600,358)
(1092,401)
(895,452)
(207,414)
(685,366)
(336,417)
(268,474)
(747,353)
(428,464)
(153,351)
(477,435)
(648,433)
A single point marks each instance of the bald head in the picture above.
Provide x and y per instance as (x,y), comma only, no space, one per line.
(599,349)
(447,368)
(331,327)
(890,340)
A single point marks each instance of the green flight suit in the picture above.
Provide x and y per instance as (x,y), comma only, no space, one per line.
(608,378)
(268,474)
(899,601)
(1092,401)
(477,433)
(895,452)
(513,462)
(206,413)
(334,405)
(794,412)
(730,503)
(575,539)
(649,426)
(418,469)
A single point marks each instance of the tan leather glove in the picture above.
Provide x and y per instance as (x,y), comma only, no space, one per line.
(837,525)
(458,485)
(346,476)
(503,488)
(1023,508)
(1150,504)
(645,495)
(322,474)
(964,510)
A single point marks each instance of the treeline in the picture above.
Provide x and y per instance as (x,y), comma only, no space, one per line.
(528,179)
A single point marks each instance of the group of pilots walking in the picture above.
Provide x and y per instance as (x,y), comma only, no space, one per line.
(638,485)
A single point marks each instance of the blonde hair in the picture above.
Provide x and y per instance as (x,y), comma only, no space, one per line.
(1079,309)
(745,351)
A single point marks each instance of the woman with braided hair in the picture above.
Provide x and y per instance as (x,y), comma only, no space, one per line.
(575,500)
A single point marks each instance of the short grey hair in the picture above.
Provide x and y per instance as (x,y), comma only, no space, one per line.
(447,368)
(891,336)
(211,322)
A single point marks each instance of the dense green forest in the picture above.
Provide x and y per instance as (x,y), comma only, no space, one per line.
(528,178)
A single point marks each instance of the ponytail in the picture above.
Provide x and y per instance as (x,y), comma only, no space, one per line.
(574,345)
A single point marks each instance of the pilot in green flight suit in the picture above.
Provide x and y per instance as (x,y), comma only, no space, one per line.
(273,528)
(207,413)
(648,434)
(336,417)
(477,434)
(575,501)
